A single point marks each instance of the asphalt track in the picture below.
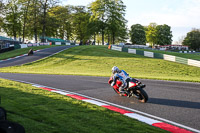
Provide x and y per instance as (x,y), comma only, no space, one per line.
(175,101)
(36,56)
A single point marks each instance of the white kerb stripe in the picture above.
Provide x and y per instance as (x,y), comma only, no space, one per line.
(60,92)
(37,85)
(94,102)
(142,118)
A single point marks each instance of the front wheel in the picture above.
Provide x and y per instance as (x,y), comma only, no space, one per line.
(141,95)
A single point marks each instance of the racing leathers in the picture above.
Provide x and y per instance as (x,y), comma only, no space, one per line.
(123,77)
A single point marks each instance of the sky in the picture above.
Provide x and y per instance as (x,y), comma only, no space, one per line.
(180,15)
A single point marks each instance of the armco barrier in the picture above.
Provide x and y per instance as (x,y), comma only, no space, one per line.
(140,52)
(181,60)
(158,55)
(193,63)
(169,57)
(148,54)
(124,49)
(116,48)
(132,51)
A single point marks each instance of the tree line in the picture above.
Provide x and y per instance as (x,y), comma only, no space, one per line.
(153,34)
(101,21)
(40,18)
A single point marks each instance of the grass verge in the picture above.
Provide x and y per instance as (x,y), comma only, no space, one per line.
(18,52)
(41,111)
(98,61)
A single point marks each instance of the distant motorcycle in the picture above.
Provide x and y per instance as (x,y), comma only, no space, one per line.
(30,52)
(134,89)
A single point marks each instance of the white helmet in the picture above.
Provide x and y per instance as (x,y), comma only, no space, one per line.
(115,69)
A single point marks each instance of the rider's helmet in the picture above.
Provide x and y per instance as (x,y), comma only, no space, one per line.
(115,69)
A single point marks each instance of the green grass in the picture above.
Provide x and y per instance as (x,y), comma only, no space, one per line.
(195,56)
(98,61)
(41,111)
(18,52)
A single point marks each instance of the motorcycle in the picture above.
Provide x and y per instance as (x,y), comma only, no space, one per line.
(134,89)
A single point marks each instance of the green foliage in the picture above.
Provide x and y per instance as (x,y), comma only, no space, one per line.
(138,35)
(81,23)
(110,17)
(151,34)
(193,39)
(163,35)
(60,25)
(158,34)
(39,18)
(1,18)
(12,22)
(116,22)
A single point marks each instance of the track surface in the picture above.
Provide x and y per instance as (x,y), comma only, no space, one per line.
(175,101)
(36,56)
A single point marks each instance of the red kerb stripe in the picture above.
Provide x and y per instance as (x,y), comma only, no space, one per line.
(122,111)
(76,97)
(46,88)
(170,128)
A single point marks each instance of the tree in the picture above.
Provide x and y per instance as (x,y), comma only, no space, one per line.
(35,16)
(61,22)
(163,35)
(98,9)
(137,34)
(80,23)
(110,17)
(116,22)
(193,39)
(45,6)
(25,9)
(1,17)
(151,34)
(12,21)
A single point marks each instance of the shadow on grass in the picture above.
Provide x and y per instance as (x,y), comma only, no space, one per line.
(176,103)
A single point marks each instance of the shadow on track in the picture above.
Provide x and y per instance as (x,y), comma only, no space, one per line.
(176,103)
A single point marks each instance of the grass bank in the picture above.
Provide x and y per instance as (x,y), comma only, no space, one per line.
(98,61)
(41,111)
(18,52)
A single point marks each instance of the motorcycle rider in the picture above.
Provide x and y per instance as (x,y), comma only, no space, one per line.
(122,76)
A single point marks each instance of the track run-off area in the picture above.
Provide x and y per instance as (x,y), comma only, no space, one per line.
(173,102)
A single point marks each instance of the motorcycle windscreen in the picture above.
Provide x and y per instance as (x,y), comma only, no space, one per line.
(131,84)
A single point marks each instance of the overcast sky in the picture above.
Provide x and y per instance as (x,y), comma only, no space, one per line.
(181,15)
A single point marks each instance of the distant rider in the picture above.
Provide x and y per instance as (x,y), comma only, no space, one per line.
(122,76)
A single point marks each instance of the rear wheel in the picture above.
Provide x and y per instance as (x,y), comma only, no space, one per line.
(141,95)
